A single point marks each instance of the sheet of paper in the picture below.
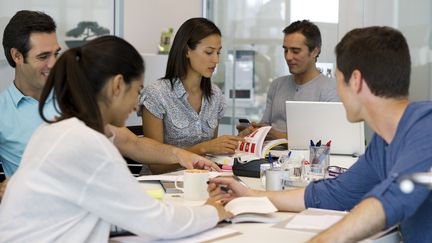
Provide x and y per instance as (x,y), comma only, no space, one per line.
(201,237)
(312,222)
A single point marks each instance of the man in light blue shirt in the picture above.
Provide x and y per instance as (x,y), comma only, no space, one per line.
(31,49)
(19,119)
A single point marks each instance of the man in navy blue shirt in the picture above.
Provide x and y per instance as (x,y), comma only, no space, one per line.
(373,71)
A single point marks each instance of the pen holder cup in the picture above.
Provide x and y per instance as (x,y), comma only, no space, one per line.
(275,179)
(319,160)
(293,164)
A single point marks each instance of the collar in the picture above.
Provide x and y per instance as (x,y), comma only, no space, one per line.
(17,96)
(179,90)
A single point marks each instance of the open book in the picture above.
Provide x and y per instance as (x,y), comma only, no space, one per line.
(254,147)
(251,209)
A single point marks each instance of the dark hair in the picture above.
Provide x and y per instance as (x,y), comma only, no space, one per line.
(382,56)
(18,30)
(81,73)
(189,35)
(309,30)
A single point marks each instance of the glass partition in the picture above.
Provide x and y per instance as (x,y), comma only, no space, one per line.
(86,18)
(252,55)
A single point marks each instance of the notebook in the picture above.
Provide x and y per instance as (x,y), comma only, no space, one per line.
(323,121)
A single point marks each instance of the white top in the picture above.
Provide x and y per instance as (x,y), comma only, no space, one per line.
(73,183)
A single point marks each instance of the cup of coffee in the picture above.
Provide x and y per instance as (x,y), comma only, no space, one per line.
(194,185)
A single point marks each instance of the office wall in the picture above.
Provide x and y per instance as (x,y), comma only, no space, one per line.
(145,19)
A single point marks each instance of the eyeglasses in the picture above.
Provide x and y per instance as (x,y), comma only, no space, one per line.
(334,171)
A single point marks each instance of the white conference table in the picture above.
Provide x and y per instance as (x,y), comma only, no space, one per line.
(260,232)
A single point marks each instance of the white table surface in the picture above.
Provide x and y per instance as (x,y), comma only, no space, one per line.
(259,232)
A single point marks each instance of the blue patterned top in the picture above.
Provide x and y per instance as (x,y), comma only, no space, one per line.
(183,126)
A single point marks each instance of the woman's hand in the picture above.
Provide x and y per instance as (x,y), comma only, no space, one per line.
(193,161)
(226,188)
(226,144)
(223,214)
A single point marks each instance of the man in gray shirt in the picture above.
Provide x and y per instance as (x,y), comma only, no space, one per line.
(302,46)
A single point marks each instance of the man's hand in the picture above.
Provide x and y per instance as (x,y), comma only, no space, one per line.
(190,160)
(250,129)
(275,134)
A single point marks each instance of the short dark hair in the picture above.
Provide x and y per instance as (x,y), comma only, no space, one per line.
(382,56)
(20,27)
(189,35)
(310,31)
(81,73)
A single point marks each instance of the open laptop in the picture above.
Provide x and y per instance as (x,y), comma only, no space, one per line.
(323,121)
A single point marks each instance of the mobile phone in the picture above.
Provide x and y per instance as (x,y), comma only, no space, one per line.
(243,120)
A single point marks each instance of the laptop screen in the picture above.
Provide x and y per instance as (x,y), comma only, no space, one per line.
(323,121)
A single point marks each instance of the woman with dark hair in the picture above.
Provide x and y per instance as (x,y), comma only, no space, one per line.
(73,183)
(184,107)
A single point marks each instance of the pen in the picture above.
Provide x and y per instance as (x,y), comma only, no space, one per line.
(239,180)
(312,143)
(270,159)
(318,143)
(222,187)
(289,154)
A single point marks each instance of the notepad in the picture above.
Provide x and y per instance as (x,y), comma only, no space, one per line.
(313,222)
(252,209)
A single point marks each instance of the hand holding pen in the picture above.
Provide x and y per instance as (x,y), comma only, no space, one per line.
(226,188)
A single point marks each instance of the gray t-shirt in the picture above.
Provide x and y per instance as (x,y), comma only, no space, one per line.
(183,126)
(321,88)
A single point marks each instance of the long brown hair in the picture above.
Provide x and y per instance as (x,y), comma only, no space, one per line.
(189,35)
(80,74)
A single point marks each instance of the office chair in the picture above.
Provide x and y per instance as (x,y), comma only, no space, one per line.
(2,175)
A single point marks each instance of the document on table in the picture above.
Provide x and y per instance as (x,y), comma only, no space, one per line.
(208,235)
(313,219)
(313,222)
(316,220)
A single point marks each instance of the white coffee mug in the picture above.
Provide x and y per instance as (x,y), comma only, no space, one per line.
(194,185)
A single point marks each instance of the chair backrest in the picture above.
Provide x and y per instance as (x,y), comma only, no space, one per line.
(2,175)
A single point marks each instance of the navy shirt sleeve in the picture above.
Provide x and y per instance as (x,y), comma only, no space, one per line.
(410,154)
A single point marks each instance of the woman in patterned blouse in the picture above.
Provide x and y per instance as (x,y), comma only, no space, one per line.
(184,107)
